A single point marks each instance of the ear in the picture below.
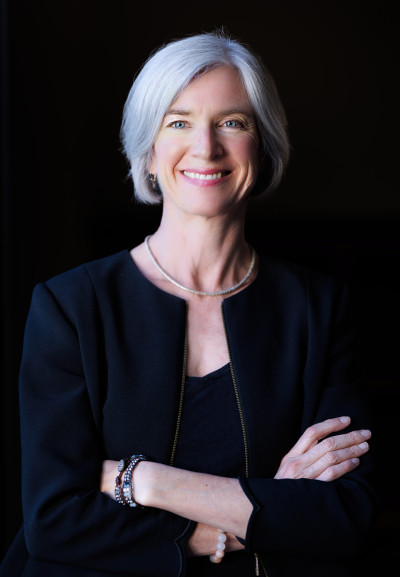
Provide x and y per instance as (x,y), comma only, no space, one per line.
(151,164)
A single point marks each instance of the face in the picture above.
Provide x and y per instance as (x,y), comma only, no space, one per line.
(206,153)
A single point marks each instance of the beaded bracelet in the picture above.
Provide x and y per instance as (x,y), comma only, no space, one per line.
(127,485)
(119,497)
(220,552)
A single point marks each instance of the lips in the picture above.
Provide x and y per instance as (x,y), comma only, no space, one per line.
(208,175)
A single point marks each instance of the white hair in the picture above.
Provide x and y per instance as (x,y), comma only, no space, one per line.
(168,72)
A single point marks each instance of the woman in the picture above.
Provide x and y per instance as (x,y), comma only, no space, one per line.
(225,381)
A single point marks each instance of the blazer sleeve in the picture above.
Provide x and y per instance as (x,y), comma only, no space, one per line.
(305,517)
(67,519)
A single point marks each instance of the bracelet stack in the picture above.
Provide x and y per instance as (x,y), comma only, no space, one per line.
(124,487)
(220,552)
(122,465)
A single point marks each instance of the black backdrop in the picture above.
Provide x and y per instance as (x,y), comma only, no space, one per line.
(67,66)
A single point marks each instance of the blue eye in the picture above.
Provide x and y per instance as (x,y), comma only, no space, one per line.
(178,124)
(231,123)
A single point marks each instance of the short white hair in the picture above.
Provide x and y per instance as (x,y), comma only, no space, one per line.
(168,72)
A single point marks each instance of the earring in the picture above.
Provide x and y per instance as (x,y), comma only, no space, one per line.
(153,180)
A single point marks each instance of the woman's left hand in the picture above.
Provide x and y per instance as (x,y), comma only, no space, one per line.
(203,541)
(317,456)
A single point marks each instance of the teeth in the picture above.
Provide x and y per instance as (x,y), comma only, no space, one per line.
(199,176)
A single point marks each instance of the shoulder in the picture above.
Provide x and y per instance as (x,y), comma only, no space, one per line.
(99,274)
(81,287)
(100,270)
(300,292)
(294,278)
(110,286)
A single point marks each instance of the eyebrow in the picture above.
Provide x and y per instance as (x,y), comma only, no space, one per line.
(177,111)
(230,111)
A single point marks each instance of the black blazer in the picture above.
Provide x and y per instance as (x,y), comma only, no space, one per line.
(101,378)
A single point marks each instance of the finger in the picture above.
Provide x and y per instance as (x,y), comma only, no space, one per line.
(337,442)
(316,432)
(323,455)
(337,471)
(335,458)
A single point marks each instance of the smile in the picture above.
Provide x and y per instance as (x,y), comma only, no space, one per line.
(200,176)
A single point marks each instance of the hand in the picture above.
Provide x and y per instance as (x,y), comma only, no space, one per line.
(317,456)
(203,541)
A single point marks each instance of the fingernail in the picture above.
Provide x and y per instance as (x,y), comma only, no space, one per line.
(355,461)
(366,433)
(345,419)
(363,446)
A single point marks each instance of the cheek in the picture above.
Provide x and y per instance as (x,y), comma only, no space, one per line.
(166,155)
(247,153)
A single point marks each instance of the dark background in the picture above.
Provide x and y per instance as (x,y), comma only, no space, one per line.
(67,67)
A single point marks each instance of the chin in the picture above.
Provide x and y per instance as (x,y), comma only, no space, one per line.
(212,208)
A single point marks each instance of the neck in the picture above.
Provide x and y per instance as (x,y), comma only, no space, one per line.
(203,254)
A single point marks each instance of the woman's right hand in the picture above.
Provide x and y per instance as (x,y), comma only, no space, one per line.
(318,456)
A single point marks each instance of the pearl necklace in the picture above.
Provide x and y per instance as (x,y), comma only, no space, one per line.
(196,292)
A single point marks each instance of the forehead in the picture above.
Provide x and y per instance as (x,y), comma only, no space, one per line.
(220,88)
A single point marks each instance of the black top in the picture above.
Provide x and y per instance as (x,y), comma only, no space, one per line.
(211,437)
(211,441)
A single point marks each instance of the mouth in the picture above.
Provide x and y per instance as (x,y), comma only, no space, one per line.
(205,176)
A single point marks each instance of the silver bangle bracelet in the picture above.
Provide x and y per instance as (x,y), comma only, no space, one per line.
(127,485)
(119,497)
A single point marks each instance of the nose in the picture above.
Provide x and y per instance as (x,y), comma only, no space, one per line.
(206,144)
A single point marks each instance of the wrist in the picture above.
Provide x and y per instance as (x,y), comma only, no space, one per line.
(107,480)
(219,552)
(125,494)
(145,475)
